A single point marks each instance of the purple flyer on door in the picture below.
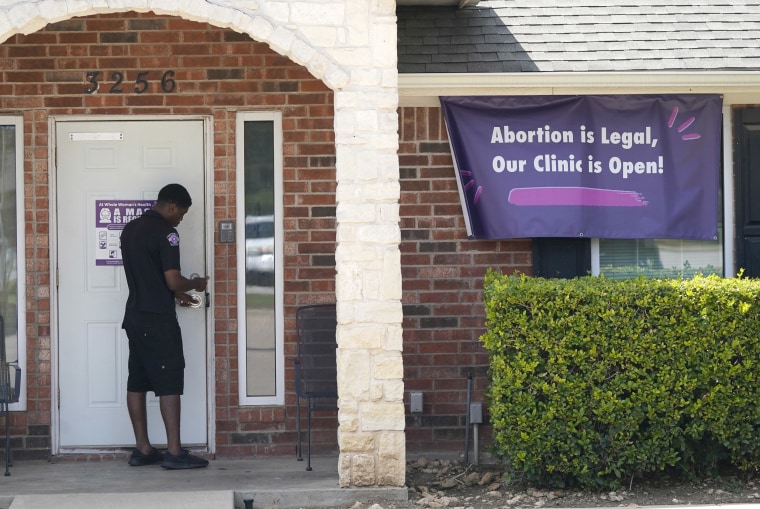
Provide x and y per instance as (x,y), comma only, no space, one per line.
(110,218)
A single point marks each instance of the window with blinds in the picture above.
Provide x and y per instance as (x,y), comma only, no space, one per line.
(660,258)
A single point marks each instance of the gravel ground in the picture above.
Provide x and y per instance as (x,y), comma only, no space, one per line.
(442,483)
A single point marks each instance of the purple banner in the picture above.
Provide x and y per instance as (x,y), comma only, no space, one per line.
(611,166)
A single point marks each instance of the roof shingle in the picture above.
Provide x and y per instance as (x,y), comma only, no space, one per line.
(578,35)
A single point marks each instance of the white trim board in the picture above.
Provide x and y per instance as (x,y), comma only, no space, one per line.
(424,89)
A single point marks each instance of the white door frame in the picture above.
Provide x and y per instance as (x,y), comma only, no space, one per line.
(208,135)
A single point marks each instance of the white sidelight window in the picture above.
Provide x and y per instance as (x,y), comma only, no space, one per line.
(12,280)
(259,255)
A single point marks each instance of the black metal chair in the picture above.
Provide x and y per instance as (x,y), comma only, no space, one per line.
(9,393)
(316,373)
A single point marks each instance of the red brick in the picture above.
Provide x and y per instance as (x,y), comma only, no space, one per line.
(448,283)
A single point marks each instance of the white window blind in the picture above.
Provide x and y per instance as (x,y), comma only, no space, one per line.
(660,258)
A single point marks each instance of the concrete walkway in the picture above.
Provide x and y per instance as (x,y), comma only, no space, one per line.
(224,484)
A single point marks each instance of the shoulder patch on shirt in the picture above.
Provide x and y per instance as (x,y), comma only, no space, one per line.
(173,239)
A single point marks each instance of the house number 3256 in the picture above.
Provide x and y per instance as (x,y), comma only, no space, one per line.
(119,83)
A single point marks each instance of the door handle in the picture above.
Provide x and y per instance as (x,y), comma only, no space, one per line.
(198,299)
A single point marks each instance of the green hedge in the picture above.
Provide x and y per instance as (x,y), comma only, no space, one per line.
(595,382)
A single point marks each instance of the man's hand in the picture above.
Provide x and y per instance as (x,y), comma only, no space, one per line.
(184,299)
(178,283)
(200,283)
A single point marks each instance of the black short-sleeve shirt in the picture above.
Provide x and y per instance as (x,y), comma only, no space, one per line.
(149,247)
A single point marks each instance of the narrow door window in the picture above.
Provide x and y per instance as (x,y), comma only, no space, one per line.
(259,176)
(12,303)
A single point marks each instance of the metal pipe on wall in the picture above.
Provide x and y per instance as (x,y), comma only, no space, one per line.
(467,425)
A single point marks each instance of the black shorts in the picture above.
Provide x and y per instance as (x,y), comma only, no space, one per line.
(156,358)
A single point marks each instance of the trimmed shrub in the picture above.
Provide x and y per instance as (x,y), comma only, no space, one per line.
(594,381)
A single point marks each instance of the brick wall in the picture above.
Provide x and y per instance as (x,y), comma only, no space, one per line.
(442,281)
(219,72)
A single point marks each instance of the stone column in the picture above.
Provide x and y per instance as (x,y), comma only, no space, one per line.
(368,260)
(368,291)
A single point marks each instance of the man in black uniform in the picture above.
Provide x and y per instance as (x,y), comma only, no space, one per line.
(150,250)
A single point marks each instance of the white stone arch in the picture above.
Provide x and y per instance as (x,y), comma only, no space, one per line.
(245,17)
(351,46)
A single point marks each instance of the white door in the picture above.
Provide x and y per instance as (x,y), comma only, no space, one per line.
(120,161)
